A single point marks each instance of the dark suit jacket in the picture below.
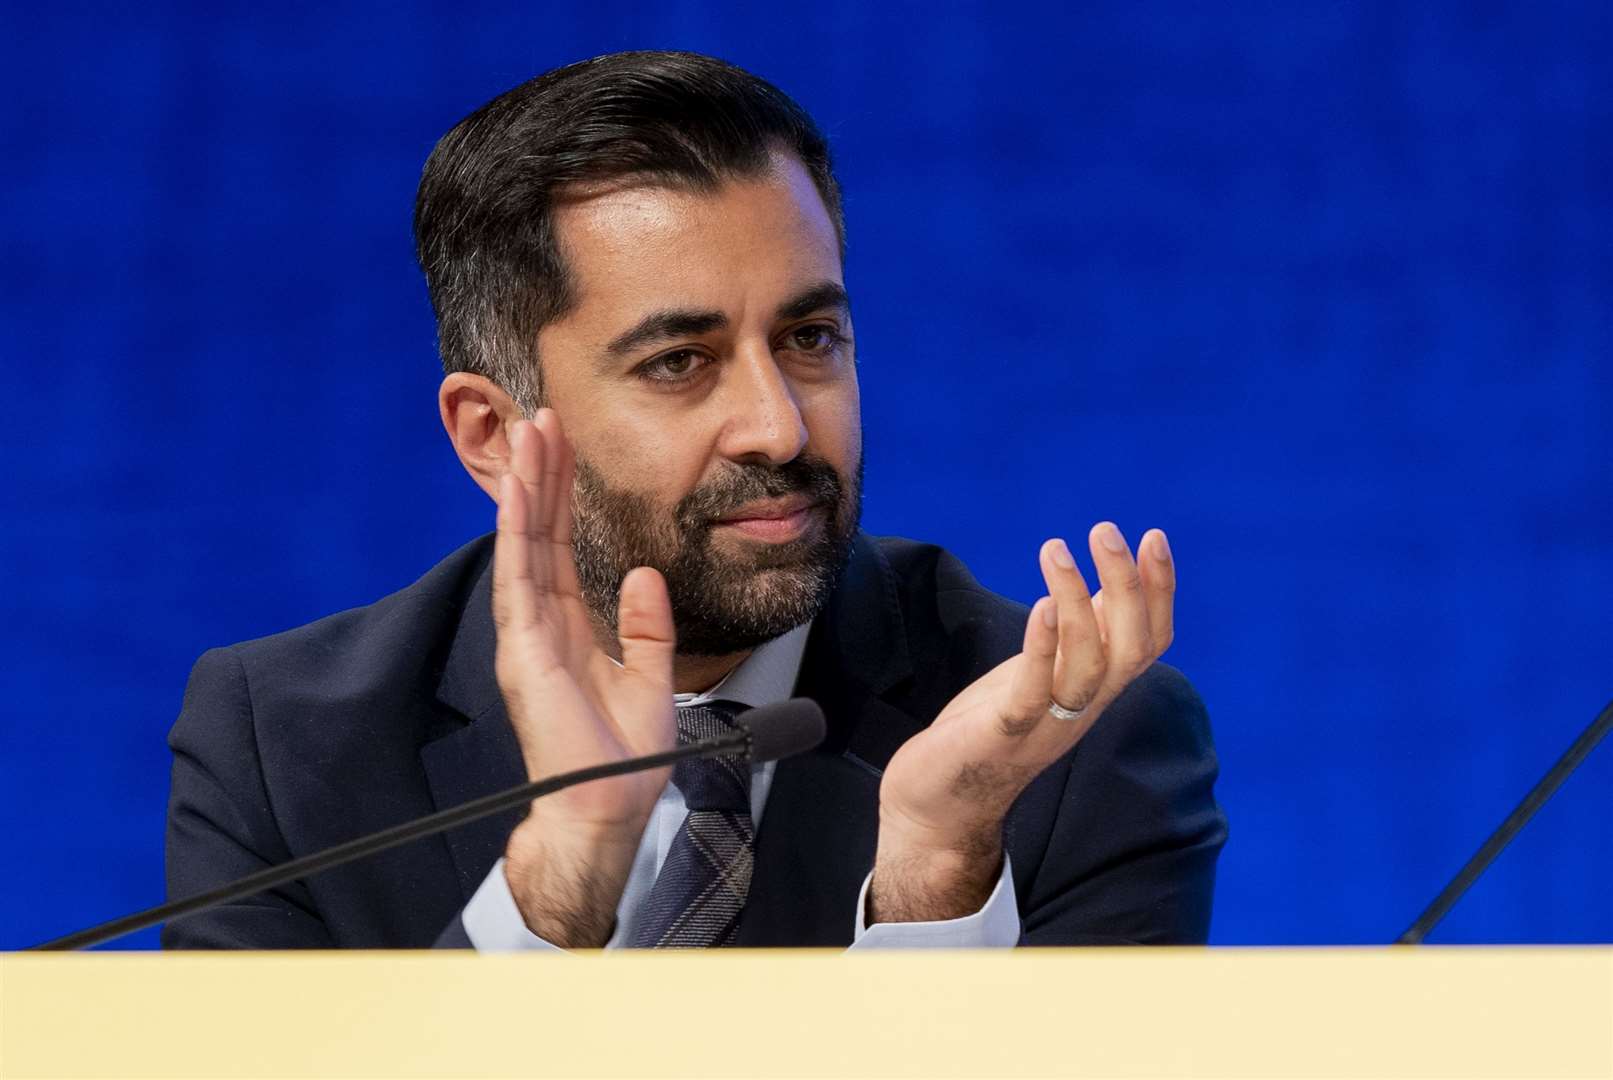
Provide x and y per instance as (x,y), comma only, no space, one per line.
(292,743)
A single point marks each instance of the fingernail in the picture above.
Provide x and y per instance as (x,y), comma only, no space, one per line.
(1061,555)
(1162,548)
(1050,613)
(1109,536)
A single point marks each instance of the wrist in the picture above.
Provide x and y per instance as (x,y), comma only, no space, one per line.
(931,879)
(567,878)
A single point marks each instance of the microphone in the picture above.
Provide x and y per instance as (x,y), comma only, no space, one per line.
(782,730)
(1509,828)
(765,733)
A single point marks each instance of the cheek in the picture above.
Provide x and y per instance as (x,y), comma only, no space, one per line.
(632,449)
(651,462)
(833,417)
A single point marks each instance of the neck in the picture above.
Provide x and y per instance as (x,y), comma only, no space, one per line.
(690,674)
(697,674)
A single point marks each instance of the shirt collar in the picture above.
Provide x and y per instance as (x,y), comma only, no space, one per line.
(765,677)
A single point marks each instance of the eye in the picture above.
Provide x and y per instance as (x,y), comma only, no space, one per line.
(674,366)
(816,338)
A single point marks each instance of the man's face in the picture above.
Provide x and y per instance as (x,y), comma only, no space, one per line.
(706,379)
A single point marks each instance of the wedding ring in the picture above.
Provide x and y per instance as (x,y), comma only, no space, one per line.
(1062,713)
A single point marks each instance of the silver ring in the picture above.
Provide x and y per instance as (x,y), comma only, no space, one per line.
(1062,713)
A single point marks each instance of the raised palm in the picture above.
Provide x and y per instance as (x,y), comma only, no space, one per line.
(570,703)
(949,786)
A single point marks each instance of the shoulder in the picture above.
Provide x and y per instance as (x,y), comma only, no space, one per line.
(1157,726)
(386,651)
(394,630)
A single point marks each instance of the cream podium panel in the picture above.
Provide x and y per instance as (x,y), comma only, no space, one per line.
(1428,1012)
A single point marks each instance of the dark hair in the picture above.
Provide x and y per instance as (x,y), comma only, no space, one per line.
(483,223)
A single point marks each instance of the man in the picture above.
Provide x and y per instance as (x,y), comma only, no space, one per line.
(636,264)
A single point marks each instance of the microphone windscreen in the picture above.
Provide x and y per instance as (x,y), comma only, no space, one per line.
(782,729)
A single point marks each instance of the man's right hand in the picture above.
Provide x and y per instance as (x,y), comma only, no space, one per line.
(570,703)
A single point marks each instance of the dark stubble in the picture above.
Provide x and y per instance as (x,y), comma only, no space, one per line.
(723,601)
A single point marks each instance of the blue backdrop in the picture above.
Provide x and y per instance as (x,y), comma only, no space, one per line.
(1322,289)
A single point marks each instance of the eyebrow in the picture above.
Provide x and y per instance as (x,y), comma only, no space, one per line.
(686,322)
(660,325)
(825,294)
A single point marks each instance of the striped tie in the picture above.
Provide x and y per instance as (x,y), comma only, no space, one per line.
(697,897)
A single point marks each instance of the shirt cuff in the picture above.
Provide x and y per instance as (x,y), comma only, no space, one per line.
(994,926)
(493,922)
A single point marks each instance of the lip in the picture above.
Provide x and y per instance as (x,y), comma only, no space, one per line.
(774,520)
(768,510)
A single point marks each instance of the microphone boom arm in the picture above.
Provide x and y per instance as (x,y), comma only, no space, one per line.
(308,865)
(1509,828)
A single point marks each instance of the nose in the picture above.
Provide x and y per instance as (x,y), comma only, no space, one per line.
(764,419)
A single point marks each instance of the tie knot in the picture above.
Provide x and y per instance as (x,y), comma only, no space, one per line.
(711,783)
(707,720)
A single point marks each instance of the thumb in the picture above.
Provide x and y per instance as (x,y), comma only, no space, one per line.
(644,627)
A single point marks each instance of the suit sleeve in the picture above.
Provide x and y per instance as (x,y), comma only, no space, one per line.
(454,935)
(1136,831)
(221,826)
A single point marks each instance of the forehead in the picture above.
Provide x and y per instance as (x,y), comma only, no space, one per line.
(750,241)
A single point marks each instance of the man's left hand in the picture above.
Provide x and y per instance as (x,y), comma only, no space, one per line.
(946,791)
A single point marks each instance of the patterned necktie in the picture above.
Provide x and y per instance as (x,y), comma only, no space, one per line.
(696,899)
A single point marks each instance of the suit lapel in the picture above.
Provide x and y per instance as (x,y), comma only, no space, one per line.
(480,756)
(819,829)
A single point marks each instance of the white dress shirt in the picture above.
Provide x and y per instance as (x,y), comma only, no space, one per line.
(494,923)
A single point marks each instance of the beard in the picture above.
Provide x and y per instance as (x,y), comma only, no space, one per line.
(723,601)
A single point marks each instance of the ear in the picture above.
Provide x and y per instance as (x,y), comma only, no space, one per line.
(477,415)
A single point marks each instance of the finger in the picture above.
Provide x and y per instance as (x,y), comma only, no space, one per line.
(563,479)
(514,605)
(548,428)
(1130,647)
(1159,587)
(1079,670)
(644,627)
(1032,684)
(527,462)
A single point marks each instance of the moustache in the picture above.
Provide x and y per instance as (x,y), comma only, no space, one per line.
(813,478)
